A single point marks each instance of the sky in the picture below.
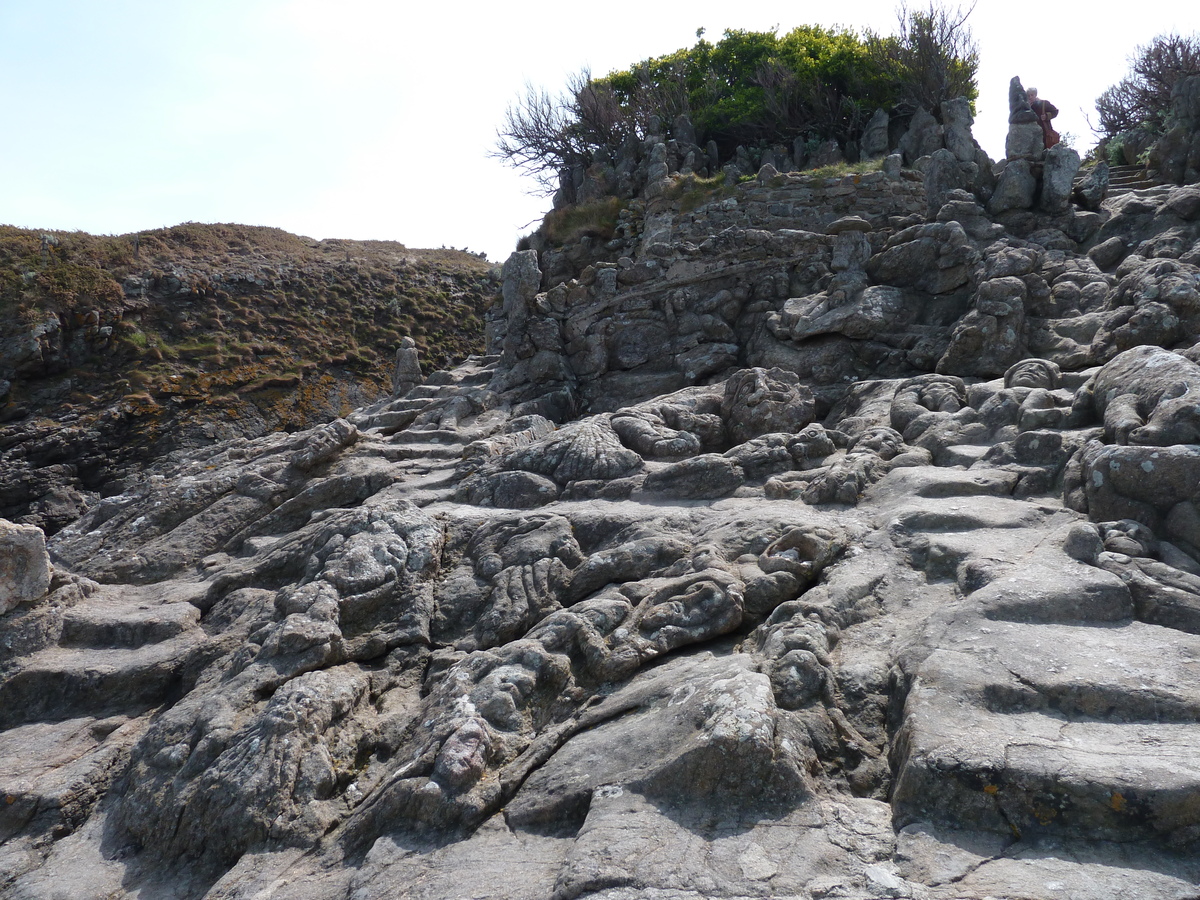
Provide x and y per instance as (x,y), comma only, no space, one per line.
(374,119)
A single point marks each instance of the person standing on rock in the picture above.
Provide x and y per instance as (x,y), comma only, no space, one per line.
(1045,111)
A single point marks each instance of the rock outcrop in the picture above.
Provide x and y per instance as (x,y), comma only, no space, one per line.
(798,553)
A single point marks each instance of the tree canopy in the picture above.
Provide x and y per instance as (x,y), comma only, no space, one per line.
(750,88)
(1139,105)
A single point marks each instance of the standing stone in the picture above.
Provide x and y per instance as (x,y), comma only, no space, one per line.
(828,154)
(742,161)
(24,564)
(522,277)
(875,137)
(956,129)
(1058,175)
(783,162)
(658,170)
(943,176)
(407,374)
(923,137)
(1025,139)
(714,156)
(1094,186)
(800,152)
(1019,110)
(1015,189)
(684,131)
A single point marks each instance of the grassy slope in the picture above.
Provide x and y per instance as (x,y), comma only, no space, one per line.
(218,329)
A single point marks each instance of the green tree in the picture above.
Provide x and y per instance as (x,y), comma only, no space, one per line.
(1136,109)
(749,88)
(932,58)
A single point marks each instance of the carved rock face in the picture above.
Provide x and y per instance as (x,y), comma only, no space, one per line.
(761,401)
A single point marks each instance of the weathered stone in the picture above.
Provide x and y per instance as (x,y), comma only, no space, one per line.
(1093,187)
(941,177)
(1147,396)
(956,128)
(701,477)
(1015,188)
(874,141)
(24,565)
(694,642)
(762,401)
(828,153)
(407,373)
(1058,174)
(924,136)
(936,257)
(1025,141)
(1178,151)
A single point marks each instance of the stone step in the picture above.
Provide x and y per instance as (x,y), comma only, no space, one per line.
(45,765)
(388,420)
(113,623)
(944,483)
(1070,731)
(60,682)
(421,450)
(965,455)
(1123,179)
(427,391)
(473,377)
(430,436)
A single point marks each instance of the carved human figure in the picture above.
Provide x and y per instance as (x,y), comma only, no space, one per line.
(1146,395)
(1029,400)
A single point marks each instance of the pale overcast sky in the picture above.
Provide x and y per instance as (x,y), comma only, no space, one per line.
(373,119)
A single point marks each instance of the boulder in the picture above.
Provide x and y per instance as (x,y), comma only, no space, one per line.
(1093,187)
(762,401)
(1146,396)
(24,565)
(923,137)
(956,129)
(1058,175)
(1015,188)
(937,257)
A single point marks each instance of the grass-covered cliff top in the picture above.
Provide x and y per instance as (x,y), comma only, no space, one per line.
(179,303)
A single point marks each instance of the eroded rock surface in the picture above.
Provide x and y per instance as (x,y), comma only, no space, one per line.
(775,564)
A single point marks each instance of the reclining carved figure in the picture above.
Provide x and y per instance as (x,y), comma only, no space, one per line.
(1147,396)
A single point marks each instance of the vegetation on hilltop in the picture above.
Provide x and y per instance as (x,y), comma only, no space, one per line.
(749,88)
(240,286)
(197,310)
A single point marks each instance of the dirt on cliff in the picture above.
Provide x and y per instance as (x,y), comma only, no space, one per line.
(116,349)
